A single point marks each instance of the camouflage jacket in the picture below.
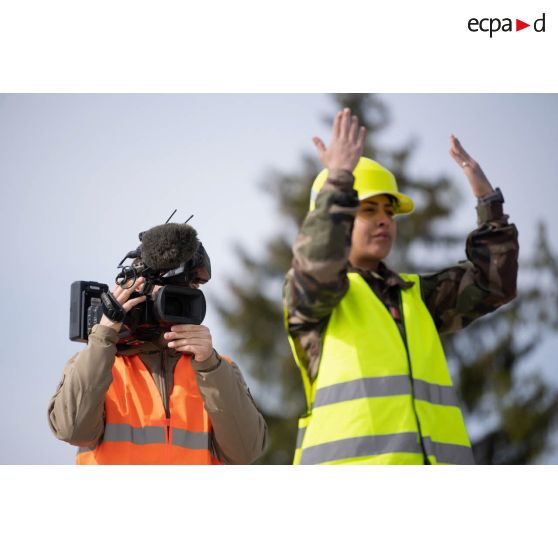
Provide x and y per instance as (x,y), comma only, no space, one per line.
(455,296)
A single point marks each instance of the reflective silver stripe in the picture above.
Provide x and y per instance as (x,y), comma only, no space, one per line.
(140,436)
(153,435)
(363,387)
(190,440)
(433,393)
(385,386)
(363,446)
(449,453)
(299,437)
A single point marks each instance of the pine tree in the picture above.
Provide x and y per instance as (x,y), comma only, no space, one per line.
(519,408)
(495,386)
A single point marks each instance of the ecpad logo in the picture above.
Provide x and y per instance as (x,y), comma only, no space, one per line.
(494,24)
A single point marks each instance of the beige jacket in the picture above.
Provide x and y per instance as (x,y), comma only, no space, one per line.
(76,411)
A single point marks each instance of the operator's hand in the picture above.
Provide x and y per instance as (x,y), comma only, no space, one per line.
(476,177)
(122,294)
(189,338)
(347,143)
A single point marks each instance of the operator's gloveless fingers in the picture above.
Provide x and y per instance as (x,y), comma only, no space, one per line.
(170,336)
(189,328)
(186,344)
(122,294)
(129,304)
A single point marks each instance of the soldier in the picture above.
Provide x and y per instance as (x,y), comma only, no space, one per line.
(366,338)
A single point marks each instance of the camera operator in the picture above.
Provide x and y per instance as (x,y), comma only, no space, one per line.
(170,400)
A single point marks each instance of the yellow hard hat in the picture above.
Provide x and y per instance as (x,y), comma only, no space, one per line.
(371,179)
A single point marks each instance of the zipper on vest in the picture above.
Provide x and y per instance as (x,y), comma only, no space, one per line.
(165,398)
(164,383)
(404,337)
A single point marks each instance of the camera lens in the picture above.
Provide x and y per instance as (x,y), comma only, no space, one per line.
(177,305)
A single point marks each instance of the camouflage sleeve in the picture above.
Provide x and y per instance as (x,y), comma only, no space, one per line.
(318,277)
(458,295)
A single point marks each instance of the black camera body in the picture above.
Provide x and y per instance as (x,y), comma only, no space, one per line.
(175,261)
(85,308)
(169,305)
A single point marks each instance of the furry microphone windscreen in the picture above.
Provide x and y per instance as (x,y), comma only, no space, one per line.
(168,246)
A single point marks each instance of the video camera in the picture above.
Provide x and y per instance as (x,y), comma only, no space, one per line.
(169,255)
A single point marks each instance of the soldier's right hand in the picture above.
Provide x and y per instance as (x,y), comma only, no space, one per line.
(347,143)
(122,296)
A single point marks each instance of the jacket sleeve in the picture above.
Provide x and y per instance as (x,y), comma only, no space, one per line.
(240,430)
(317,279)
(76,411)
(458,295)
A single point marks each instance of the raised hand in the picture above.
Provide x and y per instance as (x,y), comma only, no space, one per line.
(346,145)
(472,170)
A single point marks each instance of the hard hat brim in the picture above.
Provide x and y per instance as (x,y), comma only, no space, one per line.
(406,204)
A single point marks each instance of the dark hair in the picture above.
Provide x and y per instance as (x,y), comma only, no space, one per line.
(394,202)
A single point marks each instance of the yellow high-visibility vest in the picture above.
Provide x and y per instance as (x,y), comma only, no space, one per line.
(377,399)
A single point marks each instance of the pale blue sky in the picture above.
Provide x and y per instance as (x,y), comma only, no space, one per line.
(81,175)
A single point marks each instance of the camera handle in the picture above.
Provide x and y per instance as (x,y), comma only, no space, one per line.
(112,308)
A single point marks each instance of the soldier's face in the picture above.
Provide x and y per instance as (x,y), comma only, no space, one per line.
(374,232)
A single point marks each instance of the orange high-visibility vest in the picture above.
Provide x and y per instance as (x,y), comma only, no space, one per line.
(137,431)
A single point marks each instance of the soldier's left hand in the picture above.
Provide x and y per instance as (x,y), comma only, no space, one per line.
(188,338)
(472,170)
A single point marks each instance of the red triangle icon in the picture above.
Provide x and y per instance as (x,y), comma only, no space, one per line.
(519,25)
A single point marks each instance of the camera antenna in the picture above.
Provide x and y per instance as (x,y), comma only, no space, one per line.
(170,217)
(188,218)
